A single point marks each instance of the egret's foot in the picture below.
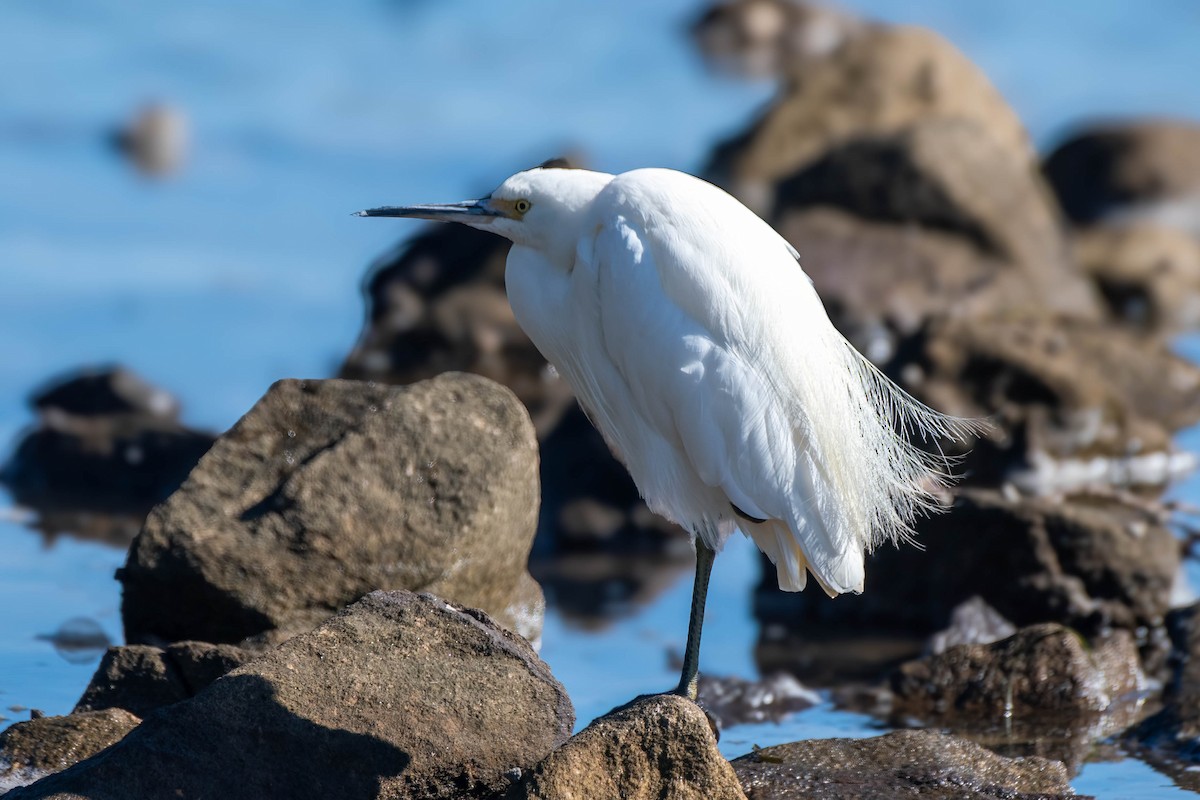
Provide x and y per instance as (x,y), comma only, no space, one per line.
(691,692)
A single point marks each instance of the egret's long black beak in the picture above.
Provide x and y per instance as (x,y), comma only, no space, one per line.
(467,211)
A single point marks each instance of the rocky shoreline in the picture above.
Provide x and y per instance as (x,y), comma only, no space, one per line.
(343,594)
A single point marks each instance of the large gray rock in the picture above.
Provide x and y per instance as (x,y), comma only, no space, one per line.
(326,490)
(899,765)
(880,81)
(1147,169)
(656,748)
(36,748)
(140,678)
(398,696)
(1040,670)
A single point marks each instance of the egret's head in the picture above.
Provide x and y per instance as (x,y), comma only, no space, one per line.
(541,208)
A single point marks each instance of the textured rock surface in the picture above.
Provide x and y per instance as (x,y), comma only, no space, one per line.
(398,696)
(897,765)
(30,750)
(1137,168)
(657,748)
(1074,403)
(1086,562)
(929,219)
(141,678)
(326,490)
(1149,275)
(1040,670)
(879,82)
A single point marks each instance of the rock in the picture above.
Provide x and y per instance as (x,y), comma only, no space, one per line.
(79,640)
(438,304)
(141,678)
(328,489)
(1088,562)
(398,696)
(731,701)
(155,140)
(1074,403)
(106,442)
(1171,737)
(104,392)
(761,38)
(31,750)
(1041,670)
(897,227)
(879,82)
(1140,169)
(656,747)
(136,678)
(1149,275)
(972,621)
(902,764)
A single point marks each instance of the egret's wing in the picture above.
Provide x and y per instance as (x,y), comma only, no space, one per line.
(677,333)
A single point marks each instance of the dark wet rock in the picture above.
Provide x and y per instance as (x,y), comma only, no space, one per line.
(136,678)
(155,140)
(1074,403)
(881,81)
(972,621)
(1040,670)
(399,696)
(1089,562)
(898,765)
(1149,275)
(438,303)
(731,701)
(105,392)
(656,747)
(106,442)
(759,38)
(1171,737)
(1136,169)
(328,489)
(929,219)
(141,678)
(31,750)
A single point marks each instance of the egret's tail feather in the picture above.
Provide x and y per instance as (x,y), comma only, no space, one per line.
(860,480)
(876,480)
(780,547)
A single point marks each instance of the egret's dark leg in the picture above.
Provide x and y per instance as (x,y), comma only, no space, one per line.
(691,656)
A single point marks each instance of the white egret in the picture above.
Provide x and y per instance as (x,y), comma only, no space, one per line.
(699,348)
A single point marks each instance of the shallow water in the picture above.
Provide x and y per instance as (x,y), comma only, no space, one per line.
(245,267)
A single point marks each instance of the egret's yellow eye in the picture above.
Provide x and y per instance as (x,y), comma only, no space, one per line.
(522,206)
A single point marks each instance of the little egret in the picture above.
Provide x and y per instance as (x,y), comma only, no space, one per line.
(699,348)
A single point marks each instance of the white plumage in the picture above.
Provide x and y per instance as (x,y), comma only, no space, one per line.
(700,350)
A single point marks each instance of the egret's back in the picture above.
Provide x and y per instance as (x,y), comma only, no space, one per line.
(703,354)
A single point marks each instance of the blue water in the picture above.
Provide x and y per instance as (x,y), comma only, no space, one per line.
(244,268)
